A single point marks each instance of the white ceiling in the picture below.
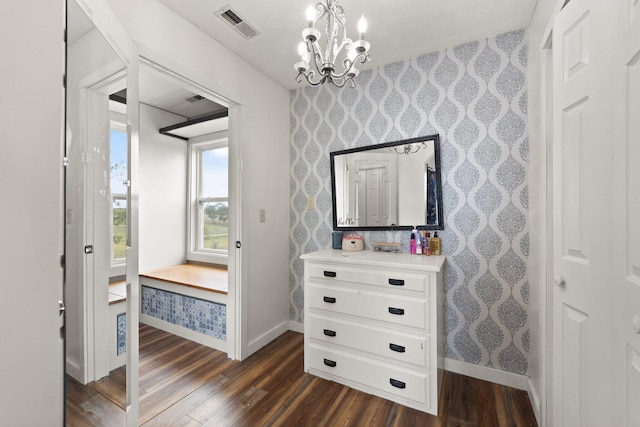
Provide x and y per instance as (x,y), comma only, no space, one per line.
(397,29)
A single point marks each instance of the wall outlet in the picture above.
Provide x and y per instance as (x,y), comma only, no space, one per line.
(309,203)
(263,215)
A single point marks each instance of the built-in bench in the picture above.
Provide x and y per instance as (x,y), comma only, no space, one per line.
(117,323)
(188,300)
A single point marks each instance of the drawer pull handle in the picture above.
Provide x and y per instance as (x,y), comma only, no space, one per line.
(329,273)
(330,300)
(396,383)
(398,311)
(330,363)
(396,282)
(396,347)
(329,333)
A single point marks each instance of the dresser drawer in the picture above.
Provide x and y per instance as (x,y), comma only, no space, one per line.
(387,279)
(391,308)
(371,375)
(396,346)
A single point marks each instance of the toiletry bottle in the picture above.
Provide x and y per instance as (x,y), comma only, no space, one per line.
(435,244)
(418,240)
(424,242)
(412,242)
(427,243)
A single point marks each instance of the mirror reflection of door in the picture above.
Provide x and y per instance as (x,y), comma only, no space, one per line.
(373,196)
(95,207)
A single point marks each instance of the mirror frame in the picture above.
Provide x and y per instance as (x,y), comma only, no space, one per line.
(436,146)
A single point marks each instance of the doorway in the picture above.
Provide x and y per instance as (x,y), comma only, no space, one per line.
(98,74)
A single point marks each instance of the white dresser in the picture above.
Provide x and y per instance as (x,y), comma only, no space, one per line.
(373,321)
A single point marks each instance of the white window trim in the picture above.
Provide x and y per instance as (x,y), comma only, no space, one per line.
(194,220)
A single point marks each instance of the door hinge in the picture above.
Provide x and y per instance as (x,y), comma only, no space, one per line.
(65,161)
(238,244)
(85,158)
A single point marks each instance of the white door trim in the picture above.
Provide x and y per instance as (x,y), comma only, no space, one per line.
(236,312)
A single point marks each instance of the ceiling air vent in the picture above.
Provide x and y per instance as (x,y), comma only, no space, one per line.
(194,98)
(232,18)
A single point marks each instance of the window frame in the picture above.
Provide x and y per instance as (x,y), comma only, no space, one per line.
(196,216)
(117,265)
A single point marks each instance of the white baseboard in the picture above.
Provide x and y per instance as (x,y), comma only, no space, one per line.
(73,370)
(266,338)
(296,326)
(534,398)
(203,339)
(521,382)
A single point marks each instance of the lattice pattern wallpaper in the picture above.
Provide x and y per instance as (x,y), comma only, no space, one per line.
(475,97)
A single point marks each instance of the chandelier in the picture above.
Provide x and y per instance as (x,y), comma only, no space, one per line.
(320,66)
(408,148)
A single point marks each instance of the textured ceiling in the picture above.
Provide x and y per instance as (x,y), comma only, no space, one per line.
(397,30)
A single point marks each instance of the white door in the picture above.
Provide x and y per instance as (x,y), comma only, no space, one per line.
(361,197)
(31,182)
(626,210)
(582,341)
(373,197)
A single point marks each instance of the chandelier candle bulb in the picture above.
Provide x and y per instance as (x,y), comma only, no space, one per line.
(362,27)
(311,15)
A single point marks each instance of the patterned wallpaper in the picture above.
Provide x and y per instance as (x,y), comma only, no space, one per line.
(475,97)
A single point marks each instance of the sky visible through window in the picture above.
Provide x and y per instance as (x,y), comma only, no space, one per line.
(118,161)
(215,170)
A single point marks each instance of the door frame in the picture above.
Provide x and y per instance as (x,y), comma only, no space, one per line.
(236,310)
(94,89)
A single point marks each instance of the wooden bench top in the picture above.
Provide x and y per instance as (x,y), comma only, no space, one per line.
(208,278)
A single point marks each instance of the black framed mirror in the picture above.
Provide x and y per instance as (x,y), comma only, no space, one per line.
(390,186)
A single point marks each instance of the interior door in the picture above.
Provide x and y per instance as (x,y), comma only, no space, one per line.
(373,197)
(31,181)
(582,345)
(626,209)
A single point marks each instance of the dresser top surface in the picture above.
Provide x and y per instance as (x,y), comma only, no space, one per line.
(380,259)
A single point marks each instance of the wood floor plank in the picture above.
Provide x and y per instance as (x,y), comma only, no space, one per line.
(270,409)
(178,411)
(186,384)
(234,411)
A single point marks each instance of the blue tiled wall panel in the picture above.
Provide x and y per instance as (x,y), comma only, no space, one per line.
(205,317)
(121,341)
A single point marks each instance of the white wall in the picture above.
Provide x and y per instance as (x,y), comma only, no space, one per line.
(412,197)
(168,40)
(538,370)
(163,191)
(31,150)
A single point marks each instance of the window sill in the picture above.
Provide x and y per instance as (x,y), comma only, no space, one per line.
(208,258)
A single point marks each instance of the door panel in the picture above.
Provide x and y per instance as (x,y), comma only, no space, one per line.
(632,387)
(373,197)
(573,184)
(626,208)
(574,334)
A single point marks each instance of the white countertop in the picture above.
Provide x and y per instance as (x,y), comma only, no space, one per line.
(381,259)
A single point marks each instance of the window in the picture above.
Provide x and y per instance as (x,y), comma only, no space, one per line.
(118,190)
(210,201)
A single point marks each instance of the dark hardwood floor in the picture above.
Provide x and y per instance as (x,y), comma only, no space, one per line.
(185,384)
